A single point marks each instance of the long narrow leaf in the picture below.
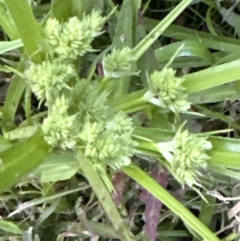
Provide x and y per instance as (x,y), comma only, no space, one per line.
(218,75)
(11,103)
(142,47)
(10,45)
(172,203)
(220,43)
(27,26)
(10,227)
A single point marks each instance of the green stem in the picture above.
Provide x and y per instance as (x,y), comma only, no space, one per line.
(104,197)
(207,211)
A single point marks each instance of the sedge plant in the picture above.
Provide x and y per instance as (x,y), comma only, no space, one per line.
(85,116)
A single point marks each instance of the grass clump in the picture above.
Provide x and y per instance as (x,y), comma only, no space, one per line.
(118,126)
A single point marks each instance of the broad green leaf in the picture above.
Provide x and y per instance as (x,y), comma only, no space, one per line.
(10,227)
(22,159)
(57,167)
(59,173)
(186,63)
(168,200)
(225,158)
(62,10)
(57,159)
(154,134)
(159,120)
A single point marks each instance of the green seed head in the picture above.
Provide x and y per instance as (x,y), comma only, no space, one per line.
(49,78)
(73,38)
(169,90)
(118,63)
(52,31)
(59,128)
(107,144)
(186,154)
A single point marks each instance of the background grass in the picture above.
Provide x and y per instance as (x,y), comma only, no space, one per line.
(54,196)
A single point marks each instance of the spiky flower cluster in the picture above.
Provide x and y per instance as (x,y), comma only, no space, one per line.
(92,106)
(118,63)
(58,127)
(186,154)
(166,90)
(78,112)
(48,78)
(73,38)
(106,137)
(110,145)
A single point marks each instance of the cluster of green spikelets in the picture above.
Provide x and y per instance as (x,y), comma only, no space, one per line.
(79,114)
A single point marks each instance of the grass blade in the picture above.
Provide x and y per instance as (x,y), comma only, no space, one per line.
(27,26)
(142,47)
(218,75)
(167,199)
